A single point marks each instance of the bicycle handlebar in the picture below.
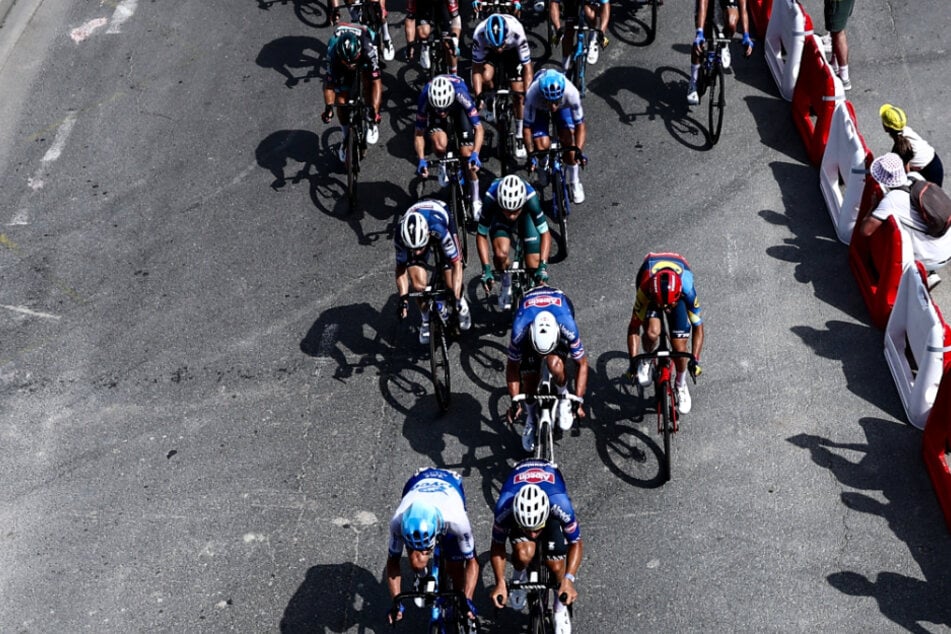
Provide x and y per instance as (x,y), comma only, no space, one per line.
(518,398)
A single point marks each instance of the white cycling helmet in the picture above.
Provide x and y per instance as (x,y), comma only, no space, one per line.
(530,507)
(414,230)
(511,193)
(441,92)
(544,332)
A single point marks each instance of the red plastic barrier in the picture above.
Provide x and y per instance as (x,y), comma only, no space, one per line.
(815,95)
(877,262)
(936,446)
(759,12)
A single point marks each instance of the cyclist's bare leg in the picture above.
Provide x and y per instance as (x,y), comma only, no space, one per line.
(418,278)
(651,334)
(522,553)
(557,368)
(567,137)
(680,345)
(532,260)
(419,559)
(440,142)
(500,252)
(732,19)
(482,75)
(409,29)
(518,100)
(455,27)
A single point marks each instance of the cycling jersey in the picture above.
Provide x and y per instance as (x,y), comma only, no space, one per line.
(515,40)
(569,108)
(529,224)
(533,302)
(442,230)
(463,105)
(336,74)
(653,263)
(547,476)
(443,490)
(427,11)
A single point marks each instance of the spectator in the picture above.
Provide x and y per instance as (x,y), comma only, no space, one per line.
(907,142)
(837,13)
(932,252)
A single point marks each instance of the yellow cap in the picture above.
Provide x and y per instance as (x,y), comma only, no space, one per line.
(893,117)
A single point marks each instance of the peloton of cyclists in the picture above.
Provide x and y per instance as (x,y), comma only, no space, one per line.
(512,209)
(433,509)
(427,12)
(424,223)
(351,53)
(534,511)
(499,42)
(446,109)
(665,283)
(544,330)
(597,14)
(551,95)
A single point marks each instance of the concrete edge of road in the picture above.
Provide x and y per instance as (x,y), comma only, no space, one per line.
(14,16)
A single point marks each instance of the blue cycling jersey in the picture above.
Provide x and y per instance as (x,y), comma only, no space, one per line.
(538,299)
(462,102)
(549,478)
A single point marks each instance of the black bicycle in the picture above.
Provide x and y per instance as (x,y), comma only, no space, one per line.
(460,205)
(711,79)
(502,108)
(540,587)
(556,175)
(355,145)
(665,396)
(448,607)
(547,399)
(442,322)
(516,270)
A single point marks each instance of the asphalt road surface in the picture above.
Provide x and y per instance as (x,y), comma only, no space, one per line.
(208,407)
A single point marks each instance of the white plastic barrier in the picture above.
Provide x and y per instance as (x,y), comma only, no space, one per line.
(916,330)
(787,30)
(842,172)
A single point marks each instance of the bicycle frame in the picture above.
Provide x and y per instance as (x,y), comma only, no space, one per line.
(579,57)
(547,400)
(712,76)
(443,324)
(459,203)
(540,589)
(356,141)
(447,605)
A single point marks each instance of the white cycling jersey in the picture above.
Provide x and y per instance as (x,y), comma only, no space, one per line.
(514,40)
(535,102)
(444,496)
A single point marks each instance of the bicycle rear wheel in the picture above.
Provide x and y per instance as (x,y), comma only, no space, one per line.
(717,103)
(665,398)
(559,208)
(353,168)
(439,360)
(653,30)
(457,201)
(504,130)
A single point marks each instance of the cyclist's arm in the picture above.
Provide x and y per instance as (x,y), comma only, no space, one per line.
(472,576)
(479,136)
(554,14)
(419,144)
(376,94)
(581,134)
(575,552)
(697,342)
(457,275)
(393,578)
(581,381)
(512,378)
(482,245)
(497,558)
(402,279)
(634,333)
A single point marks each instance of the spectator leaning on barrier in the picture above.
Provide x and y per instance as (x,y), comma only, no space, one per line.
(889,171)
(837,13)
(907,142)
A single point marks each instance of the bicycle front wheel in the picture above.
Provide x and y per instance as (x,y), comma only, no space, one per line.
(717,103)
(559,208)
(665,399)
(457,201)
(439,360)
(539,624)
(353,168)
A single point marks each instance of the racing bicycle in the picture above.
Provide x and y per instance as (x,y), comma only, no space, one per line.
(665,396)
(711,79)
(503,112)
(540,587)
(459,203)
(578,59)
(518,273)
(356,142)
(448,607)
(547,399)
(555,174)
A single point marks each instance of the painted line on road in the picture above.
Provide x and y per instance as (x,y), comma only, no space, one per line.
(123,12)
(80,33)
(53,153)
(32,313)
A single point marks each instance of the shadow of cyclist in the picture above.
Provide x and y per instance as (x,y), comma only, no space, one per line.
(291,54)
(279,148)
(337,598)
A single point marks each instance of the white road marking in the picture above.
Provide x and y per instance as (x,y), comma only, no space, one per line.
(80,33)
(122,13)
(59,142)
(32,313)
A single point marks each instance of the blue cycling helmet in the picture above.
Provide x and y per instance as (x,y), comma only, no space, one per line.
(495,31)
(422,523)
(552,85)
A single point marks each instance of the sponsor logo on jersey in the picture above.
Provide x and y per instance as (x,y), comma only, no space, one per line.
(543,301)
(535,476)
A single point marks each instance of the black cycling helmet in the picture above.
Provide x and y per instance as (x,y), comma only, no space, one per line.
(348,48)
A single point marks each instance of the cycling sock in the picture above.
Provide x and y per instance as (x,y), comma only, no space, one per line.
(474,186)
(386,32)
(694,73)
(574,173)
(681,379)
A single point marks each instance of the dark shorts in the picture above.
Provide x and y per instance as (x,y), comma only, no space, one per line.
(531,239)
(464,131)
(837,13)
(507,60)
(563,121)
(677,320)
(552,541)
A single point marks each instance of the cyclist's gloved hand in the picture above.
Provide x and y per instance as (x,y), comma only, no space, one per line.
(487,277)
(699,41)
(474,160)
(472,608)
(513,412)
(582,159)
(541,273)
(395,613)
(631,370)
(694,368)
(532,164)
(422,168)
(557,35)
(402,307)
(748,44)
(328,114)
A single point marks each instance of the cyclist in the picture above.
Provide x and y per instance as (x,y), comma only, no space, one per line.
(544,330)
(425,223)
(512,207)
(433,509)
(427,12)
(499,41)
(665,283)
(352,53)
(734,11)
(389,52)
(534,508)
(445,96)
(552,95)
(594,11)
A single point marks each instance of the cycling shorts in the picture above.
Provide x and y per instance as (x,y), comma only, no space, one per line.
(450,548)
(677,320)
(837,13)
(531,238)
(429,11)
(463,127)
(552,541)
(507,60)
(563,121)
